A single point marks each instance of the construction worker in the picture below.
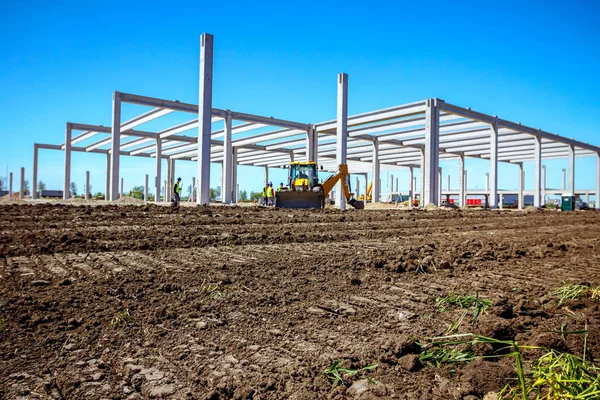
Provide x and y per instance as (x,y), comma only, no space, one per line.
(176,193)
(280,186)
(263,200)
(270,195)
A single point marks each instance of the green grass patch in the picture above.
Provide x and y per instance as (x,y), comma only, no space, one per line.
(575,291)
(121,319)
(473,302)
(335,372)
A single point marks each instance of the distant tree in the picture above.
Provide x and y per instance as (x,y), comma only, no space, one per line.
(26,186)
(2,182)
(73,189)
(97,195)
(189,190)
(41,186)
(255,195)
(243,195)
(137,192)
(213,193)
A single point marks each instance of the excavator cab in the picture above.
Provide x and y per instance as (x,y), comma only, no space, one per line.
(303,175)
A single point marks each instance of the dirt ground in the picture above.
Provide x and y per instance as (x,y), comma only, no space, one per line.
(140,301)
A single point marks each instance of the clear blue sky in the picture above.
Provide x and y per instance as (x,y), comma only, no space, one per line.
(536,62)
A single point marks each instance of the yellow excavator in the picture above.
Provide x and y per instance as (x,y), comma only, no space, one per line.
(303,189)
(369,191)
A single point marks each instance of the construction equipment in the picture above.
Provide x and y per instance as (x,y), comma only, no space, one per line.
(369,191)
(303,189)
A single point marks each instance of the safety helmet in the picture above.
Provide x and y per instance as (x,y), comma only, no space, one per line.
(178,179)
(280,183)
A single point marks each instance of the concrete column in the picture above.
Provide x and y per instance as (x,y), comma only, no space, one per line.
(520,197)
(448,183)
(266,174)
(439,185)
(366,186)
(414,188)
(204,118)
(597,200)
(564,180)
(173,176)
(341,148)
(107,188)
(587,198)
(22,190)
(572,169)
(158,176)
(461,181)
(67,181)
(466,190)
(10,186)
(431,164)
(422,192)
(543,187)
(121,191)
(146,188)
(537,170)
(193,188)
(376,180)
(115,141)
(487,182)
(87,185)
(493,189)
(234,184)
(227,184)
(311,137)
(168,182)
(391,184)
(501,203)
(34,194)
(397,190)
(411,184)
(357,188)
(166,191)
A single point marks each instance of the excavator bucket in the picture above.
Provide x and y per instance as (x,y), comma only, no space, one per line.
(359,205)
(299,199)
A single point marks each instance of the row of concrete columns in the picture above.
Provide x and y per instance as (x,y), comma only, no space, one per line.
(430,175)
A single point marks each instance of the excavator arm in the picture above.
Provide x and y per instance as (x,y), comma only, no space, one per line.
(343,175)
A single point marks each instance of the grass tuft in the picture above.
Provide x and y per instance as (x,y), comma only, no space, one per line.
(473,302)
(335,371)
(121,318)
(211,290)
(575,291)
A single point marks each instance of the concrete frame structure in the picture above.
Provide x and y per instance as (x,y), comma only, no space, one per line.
(418,134)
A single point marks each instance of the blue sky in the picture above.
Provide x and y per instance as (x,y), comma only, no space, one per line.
(536,62)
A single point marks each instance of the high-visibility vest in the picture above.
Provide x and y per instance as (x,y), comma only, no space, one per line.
(280,187)
(264,192)
(269,191)
(177,187)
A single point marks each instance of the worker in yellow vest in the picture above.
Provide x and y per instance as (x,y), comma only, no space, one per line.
(270,194)
(176,193)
